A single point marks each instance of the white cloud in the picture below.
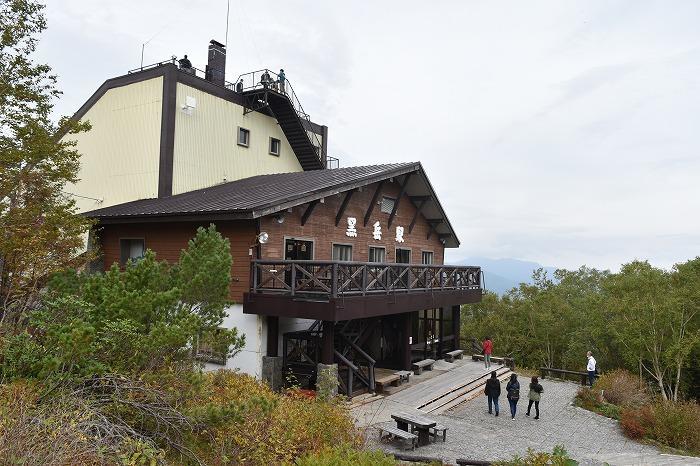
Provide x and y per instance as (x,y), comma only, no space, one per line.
(560,132)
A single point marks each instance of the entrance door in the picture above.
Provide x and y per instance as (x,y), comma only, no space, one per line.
(296,250)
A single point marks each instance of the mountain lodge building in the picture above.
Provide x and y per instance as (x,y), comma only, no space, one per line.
(333,266)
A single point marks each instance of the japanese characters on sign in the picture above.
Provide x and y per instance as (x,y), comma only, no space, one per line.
(377,232)
(399,234)
(351,230)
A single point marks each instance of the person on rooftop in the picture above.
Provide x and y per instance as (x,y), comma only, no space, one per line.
(282,79)
(265,79)
(185,63)
(239,86)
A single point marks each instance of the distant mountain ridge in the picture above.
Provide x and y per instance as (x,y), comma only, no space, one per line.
(500,275)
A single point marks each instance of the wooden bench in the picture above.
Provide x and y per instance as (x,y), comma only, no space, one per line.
(382,382)
(426,364)
(563,372)
(415,423)
(450,356)
(437,430)
(405,375)
(395,432)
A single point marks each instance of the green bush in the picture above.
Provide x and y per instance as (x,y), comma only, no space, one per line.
(346,455)
(558,457)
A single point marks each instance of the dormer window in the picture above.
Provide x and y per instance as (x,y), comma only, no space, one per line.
(275,146)
(243,137)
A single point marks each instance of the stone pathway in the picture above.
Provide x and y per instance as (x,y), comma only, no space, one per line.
(473,433)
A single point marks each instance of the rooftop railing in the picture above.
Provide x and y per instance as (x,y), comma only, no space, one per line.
(339,278)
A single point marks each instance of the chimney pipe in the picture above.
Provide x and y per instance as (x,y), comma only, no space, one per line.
(216,66)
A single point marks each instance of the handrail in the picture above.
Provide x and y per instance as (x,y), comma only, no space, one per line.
(339,278)
(288,90)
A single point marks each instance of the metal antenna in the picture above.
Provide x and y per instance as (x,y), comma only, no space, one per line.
(143,46)
(228,8)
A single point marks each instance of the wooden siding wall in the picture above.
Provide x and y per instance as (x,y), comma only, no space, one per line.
(320,227)
(168,239)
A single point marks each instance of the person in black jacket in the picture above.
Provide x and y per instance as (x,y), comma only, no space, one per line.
(513,390)
(493,391)
(534,397)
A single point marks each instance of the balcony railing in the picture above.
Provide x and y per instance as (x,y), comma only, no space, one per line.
(334,279)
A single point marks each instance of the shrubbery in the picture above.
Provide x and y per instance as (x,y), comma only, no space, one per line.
(345,455)
(675,424)
(558,457)
(622,388)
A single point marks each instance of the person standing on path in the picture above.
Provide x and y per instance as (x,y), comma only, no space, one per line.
(493,391)
(513,390)
(487,345)
(534,397)
(591,368)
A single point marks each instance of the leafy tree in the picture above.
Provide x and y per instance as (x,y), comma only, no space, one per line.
(39,231)
(145,317)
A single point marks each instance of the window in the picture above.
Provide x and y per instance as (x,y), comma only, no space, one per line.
(403,256)
(243,137)
(131,249)
(274,146)
(426,257)
(377,254)
(342,252)
(387,205)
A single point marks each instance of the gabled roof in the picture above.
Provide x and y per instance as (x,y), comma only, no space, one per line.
(262,195)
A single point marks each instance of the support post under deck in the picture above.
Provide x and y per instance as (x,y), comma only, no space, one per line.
(273,332)
(327,343)
(405,330)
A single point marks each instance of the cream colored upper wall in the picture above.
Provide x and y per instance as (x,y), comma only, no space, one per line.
(206,150)
(120,154)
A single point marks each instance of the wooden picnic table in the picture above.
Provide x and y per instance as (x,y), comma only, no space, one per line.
(418,423)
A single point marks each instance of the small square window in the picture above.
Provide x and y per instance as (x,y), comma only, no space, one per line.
(387,205)
(131,249)
(427,257)
(377,254)
(275,146)
(243,137)
(403,256)
(342,252)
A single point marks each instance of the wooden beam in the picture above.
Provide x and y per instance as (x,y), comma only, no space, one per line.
(398,199)
(307,214)
(341,211)
(372,203)
(445,235)
(435,221)
(430,232)
(419,207)
(420,198)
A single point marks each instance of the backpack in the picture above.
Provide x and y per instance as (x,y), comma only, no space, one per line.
(514,393)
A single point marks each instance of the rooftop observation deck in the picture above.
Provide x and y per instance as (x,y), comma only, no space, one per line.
(339,290)
(263,91)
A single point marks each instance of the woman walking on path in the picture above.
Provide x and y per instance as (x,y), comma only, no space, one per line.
(513,390)
(534,397)
(493,391)
(487,345)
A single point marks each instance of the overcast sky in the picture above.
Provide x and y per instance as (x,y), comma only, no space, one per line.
(563,132)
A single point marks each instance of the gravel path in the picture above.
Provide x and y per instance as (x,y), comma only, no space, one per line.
(588,437)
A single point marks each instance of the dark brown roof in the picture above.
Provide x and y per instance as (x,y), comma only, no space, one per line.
(262,195)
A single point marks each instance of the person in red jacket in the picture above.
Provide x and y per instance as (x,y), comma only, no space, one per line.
(487,345)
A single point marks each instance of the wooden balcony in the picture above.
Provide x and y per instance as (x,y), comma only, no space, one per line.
(336,290)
